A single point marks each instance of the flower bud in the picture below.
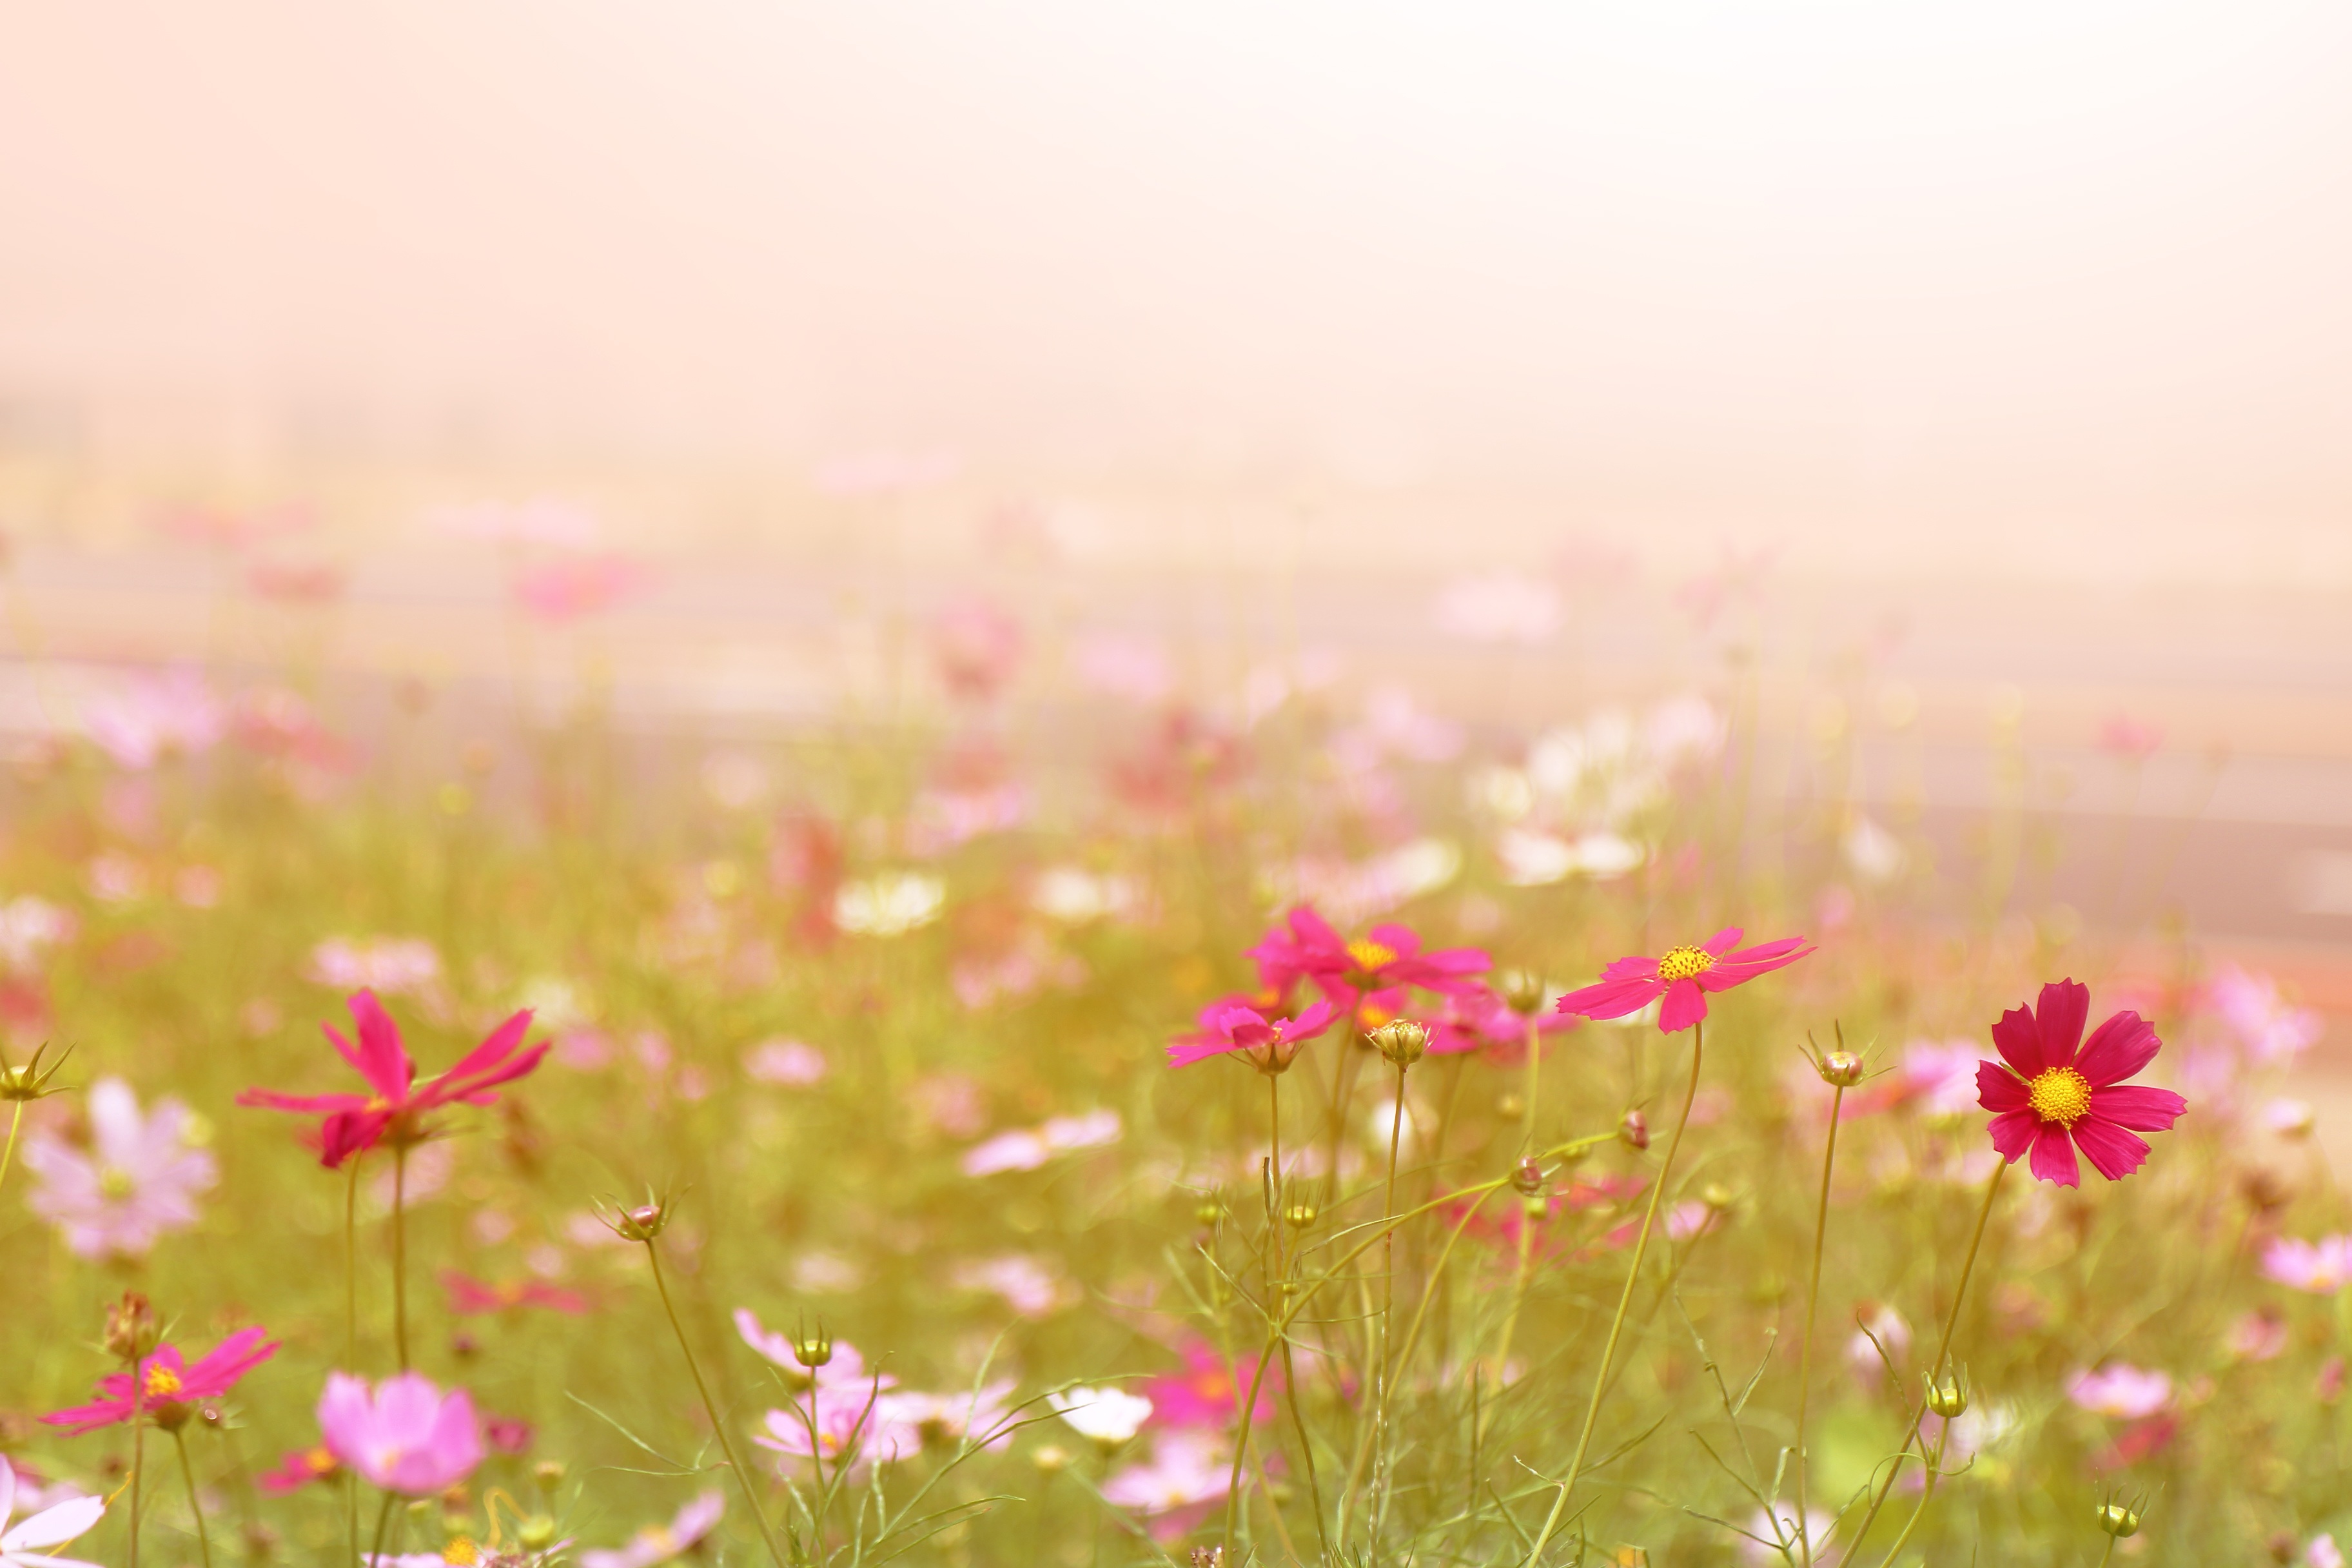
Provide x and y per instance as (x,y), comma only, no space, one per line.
(1843,1069)
(536,1533)
(1401,1041)
(642,1222)
(1300,1215)
(29,1081)
(2117,1521)
(1718,1196)
(549,1474)
(1208,1213)
(1948,1399)
(131,1331)
(812,1349)
(1528,1177)
(1536,1207)
(1522,991)
(1208,1557)
(1510,1107)
(1633,1130)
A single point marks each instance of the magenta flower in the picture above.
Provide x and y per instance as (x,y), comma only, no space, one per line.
(2050,1093)
(468,1295)
(661,1543)
(1478,1019)
(405,1436)
(1683,976)
(167,1380)
(299,1468)
(1270,1046)
(1206,1392)
(356,1123)
(1377,971)
(2322,1267)
(2121,1390)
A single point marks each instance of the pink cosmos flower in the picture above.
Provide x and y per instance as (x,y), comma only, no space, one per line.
(138,1178)
(357,1122)
(1270,1047)
(661,1543)
(165,1380)
(24,1546)
(154,716)
(390,966)
(1478,1019)
(2049,1094)
(1032,1288)
(576,586)
(1184,1473)
(1029,1148)
(794,1064)
(1683,976)
(976,647)
(299,1468)
(2259,1335)
(470,1295)
(843,1424)
(2266,1026)
(2322,1267)
(404,1436)
(1379,969)
(1941,1076)
(2121,1390)
(1207,1391)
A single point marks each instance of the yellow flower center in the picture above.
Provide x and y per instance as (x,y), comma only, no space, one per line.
(460,1551)
(162,1382)
(318,1461)
(1684,963)
(1370,955)
(2061,1095)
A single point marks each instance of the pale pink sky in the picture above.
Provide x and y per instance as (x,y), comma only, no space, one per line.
(1901,263)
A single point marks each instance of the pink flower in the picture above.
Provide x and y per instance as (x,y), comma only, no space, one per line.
(299,1468)
(1184,1471)
(356,1123)
(1379,969)
(2259,1335)
(26,1545)
(576,586)
(2049,1094)
(2120,1390)
(1270,1047)
(1032,1147)
(2322,1552)
(391,966)
(1128,668)
(1207,1391)
(405,1436)
(2322,1267)
(166,1380)
(138,1178)
(2265,1027)
(845,1367)
(661,1543)
(2128,737)
(1030,1287)
(154,716)
(791,1063)
(1683,976)
(1943,1076)
(508,1433)
(1881,1336)
(842,1424)
(976,647)
(468,1295)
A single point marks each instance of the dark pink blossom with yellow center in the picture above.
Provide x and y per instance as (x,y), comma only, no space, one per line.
(1378,971)
(1682,977)
(2060,1092)
(165,1380)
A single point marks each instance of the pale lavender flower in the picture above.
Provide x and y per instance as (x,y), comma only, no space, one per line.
(2266,1027)
(1185,1470)
(26,1545)
(660,1542)
(2121,1390)
(1030,1287)
(389,966)
(155,715)
(794,1064)
(138,1177)
(2322,1267)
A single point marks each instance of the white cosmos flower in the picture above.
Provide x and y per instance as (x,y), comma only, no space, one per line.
(889,905)
(22,1547)
(1105,1415)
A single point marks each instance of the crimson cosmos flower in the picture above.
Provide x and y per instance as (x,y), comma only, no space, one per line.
(2050,1092)
(357,1122)
(1377,970)
(1271,1046)
(167,1380)
(468,1295)
(1683,976)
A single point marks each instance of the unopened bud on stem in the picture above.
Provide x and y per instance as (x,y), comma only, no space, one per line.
(131,1331)
(1401,1041)
(1522,991)
(1633,1130)
(2117,1521)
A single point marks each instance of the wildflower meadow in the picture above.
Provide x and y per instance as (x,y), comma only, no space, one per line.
(1261,1121)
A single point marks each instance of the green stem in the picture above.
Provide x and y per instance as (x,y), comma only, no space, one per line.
(719,1424)
(1382,1371)
(138,1448)
(383,1518)
(1625,1297)
(9,1152)
(400,1254)
(195,1506)
(1278,1275)
(1812,1301)
(351,1329)
(1936,1372)
(2110,1551)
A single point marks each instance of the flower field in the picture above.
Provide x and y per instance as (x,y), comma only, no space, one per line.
(1280,1126)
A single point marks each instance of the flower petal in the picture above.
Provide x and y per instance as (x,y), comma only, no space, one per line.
(1685,1004)
(2060,1014)
(2018,1039)
(1737,968)
(2053,1157)
(1998,1089)
(1723,942)
(1401,940)
(1613,998)
(2114,1152)
(2013,1132)
(56,1526)
(1311,1022)
(2118,1048)
(2138,1106)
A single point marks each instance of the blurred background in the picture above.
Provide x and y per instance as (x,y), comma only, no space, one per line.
(1961,393)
